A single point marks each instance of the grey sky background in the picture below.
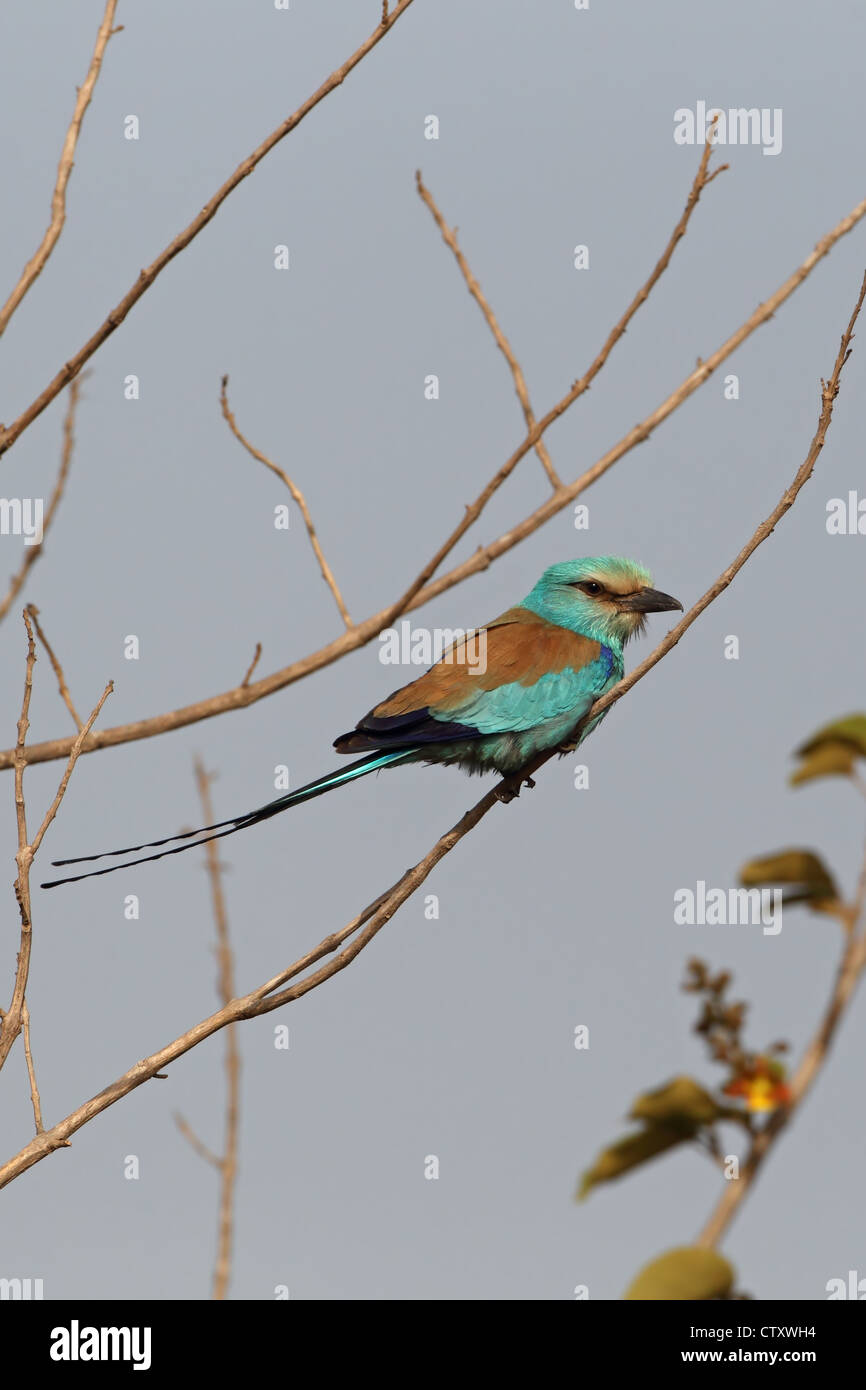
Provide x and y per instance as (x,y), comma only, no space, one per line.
(451,1037)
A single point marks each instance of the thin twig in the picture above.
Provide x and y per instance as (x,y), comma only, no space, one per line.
(449,236)
(73,366)
(227,1162)
(31,1070)
(33,611)
(196,1144)
(829,392)
(13,1018)
(240,697)
(412,880)
(272,995)
(848,976)
(853,959)
(33,552)
(39,259)
(537,429)
(327,573)
(252,666)
(64,781)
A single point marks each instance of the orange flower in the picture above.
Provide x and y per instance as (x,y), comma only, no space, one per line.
(761,1085)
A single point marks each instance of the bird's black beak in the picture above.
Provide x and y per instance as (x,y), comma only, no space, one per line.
(649,601)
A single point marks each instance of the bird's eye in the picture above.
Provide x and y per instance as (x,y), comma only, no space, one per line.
(590,586)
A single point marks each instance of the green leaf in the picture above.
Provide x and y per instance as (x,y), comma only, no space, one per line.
(629,1153)
(832,759)
(850,730)
(804,871)
(681,1102)
(688,1272)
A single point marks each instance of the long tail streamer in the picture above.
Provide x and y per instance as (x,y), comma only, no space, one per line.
(217,831)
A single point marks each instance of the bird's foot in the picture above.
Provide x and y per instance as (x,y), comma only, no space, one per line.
(510,787)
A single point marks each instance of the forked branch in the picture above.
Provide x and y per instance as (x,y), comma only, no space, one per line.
(345,945)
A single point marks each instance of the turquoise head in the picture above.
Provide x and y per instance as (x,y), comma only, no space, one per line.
(604,597)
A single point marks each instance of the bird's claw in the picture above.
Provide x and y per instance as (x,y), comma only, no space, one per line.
(510,787)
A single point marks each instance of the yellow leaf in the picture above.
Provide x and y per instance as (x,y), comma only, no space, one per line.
(629,1153)
(831,759)
(679,1102)
(850,730)
(800,868)
(688,1272)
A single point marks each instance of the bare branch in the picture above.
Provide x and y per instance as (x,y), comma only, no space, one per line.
(449,236)
(33,552)
(829,392)
(228,1163)
(14,1016)
(414,877)
(848,976)
(196,1144)
(536,430)
(31,1071)
(146,278)
(65,696)
(327,573)
(273,994)
(39,259)
(73,759)
(225,1163)
(12,1019)
(23,726)
(239,697)
(851,966)
(252,666)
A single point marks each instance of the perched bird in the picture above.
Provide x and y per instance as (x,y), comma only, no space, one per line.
(546,662)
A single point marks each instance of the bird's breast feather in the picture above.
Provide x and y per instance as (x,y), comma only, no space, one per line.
(525,671)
